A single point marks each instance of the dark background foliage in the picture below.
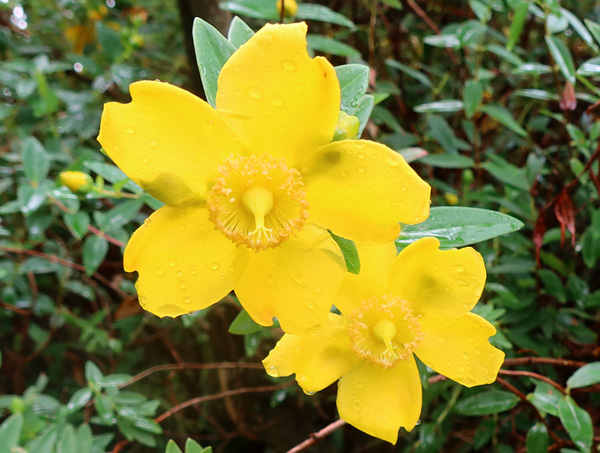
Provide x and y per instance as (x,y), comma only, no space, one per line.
(502,95)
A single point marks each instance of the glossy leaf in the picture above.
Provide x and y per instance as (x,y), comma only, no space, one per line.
(67,442)
(537,438)
(77,222)
(458,226)
(212,51)
(588,374)
(350,253)
(94,252)
(445,106)
(331,46)
(518,21)
(354,81)
(36,162)
(577,422)
(239,32)
(417,75)
(312,11)
(488,402)
(562,57)
(448,161)
(504,117)
(243,324)
(472,97)
(10,431)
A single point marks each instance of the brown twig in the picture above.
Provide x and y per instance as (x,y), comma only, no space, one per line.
(535,376)
(316,437)
(202,399)
(191,366)
(542,361)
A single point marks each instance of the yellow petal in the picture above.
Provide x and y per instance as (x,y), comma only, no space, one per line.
(167,140)
(375,261)
(379,401)
(184,264)
(361,190)
(318,357)
(441,283)
(278,98)
(459,349)
(295,282)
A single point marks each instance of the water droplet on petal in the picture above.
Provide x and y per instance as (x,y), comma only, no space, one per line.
(153,144)
(187,299)
(273,371)
(130,130)
(179,274)
(362,169)
(182,284)
(460,268)
(214,266)
(288,65)
(255,92)
(172,263)
(145,160)
(277,101)
(361,155)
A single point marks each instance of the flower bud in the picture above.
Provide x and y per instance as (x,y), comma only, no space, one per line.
(290,7)
(75,180)
(347,127)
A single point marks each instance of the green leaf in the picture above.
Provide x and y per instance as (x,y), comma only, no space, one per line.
(577,422)
(363,112)
(532,69)
(84,438)
(77,223)
(110,41)
(36,161)
(590,67)
(448,161)
(504,117)
(417,75)
(80,398)
(588,374)
(545,398)
(113,175)
(542,95)
(67,442)
(518,21)
(191,446)
(43,443)
(212,51)
(311,11)
(331,46)
(488,402)
(239,32)
(172,447)
(243,324)
(506,172)
(350,253)
(445,106)
(354,80)
(10,431)
(594,28)
(562,57)
(579,28)
(123,213)
(93,375)
(258,9)
(458,226)
(537,438)
(472,96)
(442,40)
(94,252)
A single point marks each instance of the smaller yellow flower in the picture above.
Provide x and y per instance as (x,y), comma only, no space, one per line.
(75,180)
(290,7)
(417,302)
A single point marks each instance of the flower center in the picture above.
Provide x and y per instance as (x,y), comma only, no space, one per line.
(258,201)
(384,330)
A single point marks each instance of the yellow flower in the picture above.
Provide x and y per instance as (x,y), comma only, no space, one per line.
(418,302)
(290,7)
(252,187)
(75,180)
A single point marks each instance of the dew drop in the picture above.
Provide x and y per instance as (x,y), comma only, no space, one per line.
(273,371)
(179,274)
(277,101)
(187,299)
(288,65)
(255,92)
(160,271)
(361,155)
(393,158)
(357,404)
(297,279)
(153,143)
(148,221)
(236,69)
(172,263)
(362,169)
(309,393)
(214,266)
(151,288)
(460,268)
(403,188)
(145,160)
(182,284)
(130,130)
(359,143)
(117,148)
(308,303)
(194,271)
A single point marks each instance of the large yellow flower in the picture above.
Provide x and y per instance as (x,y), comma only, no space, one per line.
(251,187)
(418,302)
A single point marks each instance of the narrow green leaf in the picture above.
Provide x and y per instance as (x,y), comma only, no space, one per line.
(579,28)
(239,32)
(518,21)
(113,175)
(458,226)
(243,324)
(123,213)
(506,172)
(537,438)
(94,252)
(330,45)
(472,97)
(504,117)
(577,422)
(93,375)
(363,112)
(36,161)
(442,41)
(80,397)
(350,253)
(212,51)
(84,438)
(532,68)
(77,223)
(542,95)
(417,75)
(562,57)
(448,161)
(445,106)
(10,431)
(354,80)
(257,9)
(590,67)
(594,28)
(588,374)
(545,398)
(44,443)
(67,442)
(488,402)
(312,11)
(172,447)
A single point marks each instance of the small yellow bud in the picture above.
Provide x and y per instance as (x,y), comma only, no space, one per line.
(137,40)
(290,7)
(75,180)
(347,127)
(451,199)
